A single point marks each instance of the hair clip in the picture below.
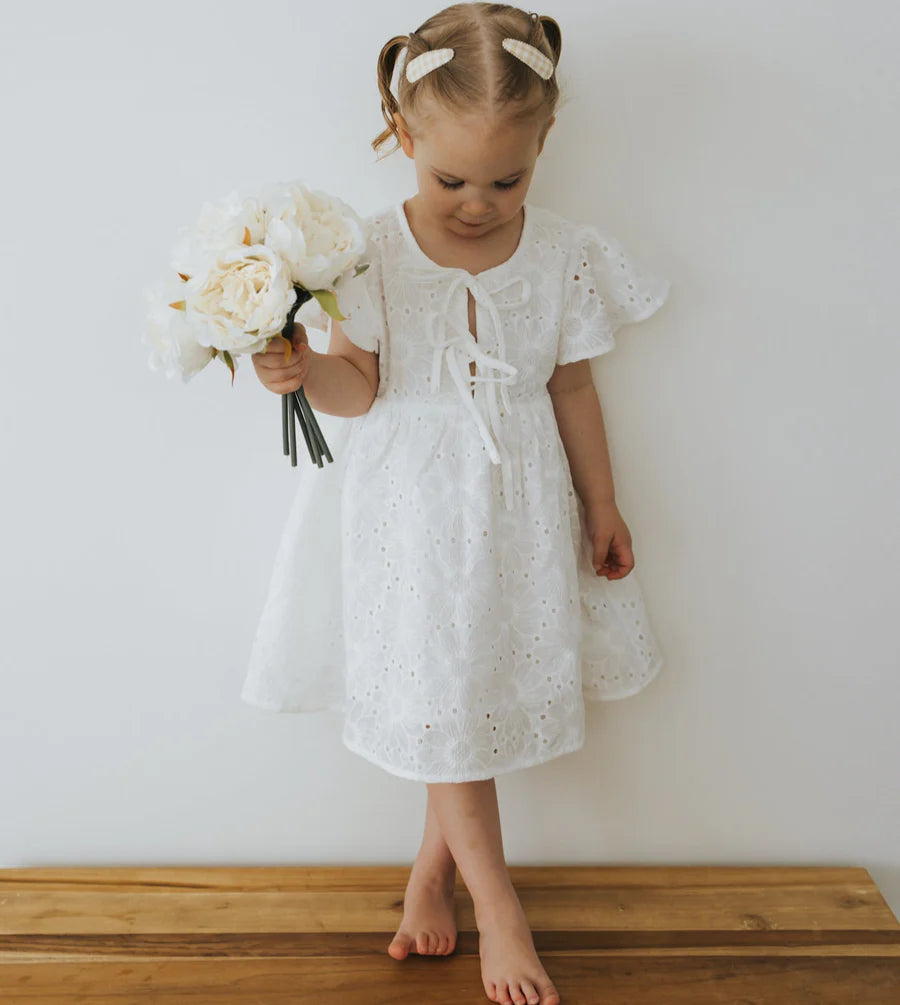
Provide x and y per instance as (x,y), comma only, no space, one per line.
(426,62)
(541,64)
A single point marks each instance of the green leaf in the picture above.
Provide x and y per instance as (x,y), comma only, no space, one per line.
(328,303)
(226,356)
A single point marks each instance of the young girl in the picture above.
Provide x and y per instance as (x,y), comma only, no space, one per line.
(480,588)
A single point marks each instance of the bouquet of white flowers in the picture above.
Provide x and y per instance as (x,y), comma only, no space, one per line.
(242,272)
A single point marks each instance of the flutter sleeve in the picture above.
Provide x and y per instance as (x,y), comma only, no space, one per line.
(361,301)
(604,288)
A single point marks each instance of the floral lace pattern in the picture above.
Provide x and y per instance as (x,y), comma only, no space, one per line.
(435,586)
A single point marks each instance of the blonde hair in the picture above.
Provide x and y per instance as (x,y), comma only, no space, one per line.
(481,77)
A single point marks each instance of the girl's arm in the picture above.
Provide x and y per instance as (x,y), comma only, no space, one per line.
(581,429)
(343,381)
(583,435)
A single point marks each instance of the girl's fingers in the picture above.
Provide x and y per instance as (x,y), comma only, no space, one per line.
(275,361)
(290,380)
(622,562)
(603,555)
(284,386)
(617,560)
(278,376)
(275,350)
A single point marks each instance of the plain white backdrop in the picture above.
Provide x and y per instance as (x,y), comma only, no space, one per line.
(748,151)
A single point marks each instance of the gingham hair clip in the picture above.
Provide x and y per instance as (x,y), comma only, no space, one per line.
(538,62)
(426,62)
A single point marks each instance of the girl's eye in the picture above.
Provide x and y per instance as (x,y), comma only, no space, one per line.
(500,184)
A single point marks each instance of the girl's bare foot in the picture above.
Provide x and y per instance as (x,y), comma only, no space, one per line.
(428,926)
(510,968)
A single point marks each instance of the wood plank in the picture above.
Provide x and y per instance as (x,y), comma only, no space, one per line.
(439,980)
(53,901)
(378,877)
(71,948)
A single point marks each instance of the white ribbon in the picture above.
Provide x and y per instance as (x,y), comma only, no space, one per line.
(460,348)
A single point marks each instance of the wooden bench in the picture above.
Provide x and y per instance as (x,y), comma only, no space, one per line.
(606,934)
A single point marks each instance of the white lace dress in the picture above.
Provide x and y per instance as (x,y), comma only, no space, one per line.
(434,584)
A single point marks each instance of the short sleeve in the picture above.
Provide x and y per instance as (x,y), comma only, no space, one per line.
(361,300)
(604,288)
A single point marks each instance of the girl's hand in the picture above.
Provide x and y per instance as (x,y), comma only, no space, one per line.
(610,538)
(277,375)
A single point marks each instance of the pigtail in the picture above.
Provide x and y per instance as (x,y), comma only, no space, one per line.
(387,60)
(545,28)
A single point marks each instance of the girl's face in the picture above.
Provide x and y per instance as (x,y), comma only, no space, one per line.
(473,175)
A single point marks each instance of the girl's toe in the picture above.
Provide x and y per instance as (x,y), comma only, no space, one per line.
(549,995)
(400,946)
(530,992)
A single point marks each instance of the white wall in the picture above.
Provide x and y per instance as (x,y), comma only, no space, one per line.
(749,151)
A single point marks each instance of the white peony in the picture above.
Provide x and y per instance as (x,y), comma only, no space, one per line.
(318,235)
(220,227)
(242,301)
(171,340)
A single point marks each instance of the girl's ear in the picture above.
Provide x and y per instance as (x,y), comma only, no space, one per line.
(544,132)
(406,140)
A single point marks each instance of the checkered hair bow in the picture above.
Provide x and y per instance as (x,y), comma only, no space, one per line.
(426,62)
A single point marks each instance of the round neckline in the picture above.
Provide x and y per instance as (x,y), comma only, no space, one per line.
(410,238)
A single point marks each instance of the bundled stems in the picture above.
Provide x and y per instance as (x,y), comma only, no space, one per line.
(295,405)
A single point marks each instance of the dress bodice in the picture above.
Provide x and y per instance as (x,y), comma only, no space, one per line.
(454,347)
(558,298)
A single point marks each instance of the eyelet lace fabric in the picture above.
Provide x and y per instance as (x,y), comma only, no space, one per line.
(434,585)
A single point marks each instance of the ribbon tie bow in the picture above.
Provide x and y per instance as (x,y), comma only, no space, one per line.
(458,347)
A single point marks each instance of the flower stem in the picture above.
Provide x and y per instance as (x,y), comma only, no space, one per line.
(302,420)
(314,424)
(292,433)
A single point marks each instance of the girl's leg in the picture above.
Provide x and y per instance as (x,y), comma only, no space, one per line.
(469,819)
(428,926)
